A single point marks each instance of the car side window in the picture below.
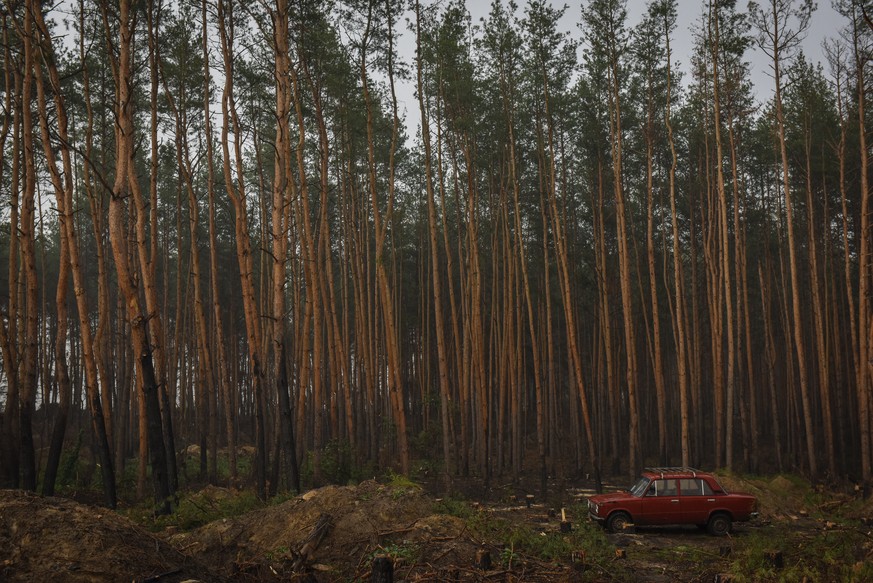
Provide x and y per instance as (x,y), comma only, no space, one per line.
(707,490)
(691,487)
(663,488)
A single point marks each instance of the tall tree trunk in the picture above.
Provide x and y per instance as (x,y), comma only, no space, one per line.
(819,317)
(64,197)
(236,192)
(678,280)
(660,391)
(284,190)
(865,322)
(395,381)
(124,186)
(624,258)
(442,360)
(562,256)
(797,308)
(9,451)
(148,256)
(222,387)
(62,373)
(28,373)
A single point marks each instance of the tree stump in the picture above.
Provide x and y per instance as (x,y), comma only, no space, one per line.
(483,559)
(383,570)
(577,558)
(529,500)
(775,559)
(620,554)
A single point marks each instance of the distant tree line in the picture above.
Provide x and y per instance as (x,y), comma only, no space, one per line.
(567,258)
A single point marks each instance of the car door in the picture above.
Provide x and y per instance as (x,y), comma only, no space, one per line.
(661,504)
(698,500)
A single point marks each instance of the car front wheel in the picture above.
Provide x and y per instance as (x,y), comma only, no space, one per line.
(618,522)
(719,524)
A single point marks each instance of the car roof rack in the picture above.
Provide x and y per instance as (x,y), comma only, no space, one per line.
(673,470)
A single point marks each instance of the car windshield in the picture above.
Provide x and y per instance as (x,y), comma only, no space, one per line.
(639,488)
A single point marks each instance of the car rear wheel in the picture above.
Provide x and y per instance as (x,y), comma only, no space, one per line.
(719,524)
(618,521)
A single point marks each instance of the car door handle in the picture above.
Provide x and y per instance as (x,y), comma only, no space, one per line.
(710,499)
(674,501)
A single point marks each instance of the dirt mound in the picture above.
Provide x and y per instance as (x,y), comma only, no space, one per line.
(779,498)
(52,539)
(364,520)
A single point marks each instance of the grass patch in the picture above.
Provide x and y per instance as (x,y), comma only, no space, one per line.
(457,507)
(401,553)
(400,485)
(833,555)
(544,542)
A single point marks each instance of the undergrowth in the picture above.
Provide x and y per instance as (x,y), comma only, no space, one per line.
(839,554)
(542,542)
(194,509)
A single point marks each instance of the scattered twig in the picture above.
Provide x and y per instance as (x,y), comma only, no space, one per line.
(160,576)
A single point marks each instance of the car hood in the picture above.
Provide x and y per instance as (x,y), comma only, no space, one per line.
(611,497)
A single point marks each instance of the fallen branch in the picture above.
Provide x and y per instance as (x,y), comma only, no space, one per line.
(304,554)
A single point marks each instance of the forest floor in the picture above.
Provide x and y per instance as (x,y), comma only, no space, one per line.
(333,534)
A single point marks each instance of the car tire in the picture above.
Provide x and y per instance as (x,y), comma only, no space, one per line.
(618,521)
(719,524)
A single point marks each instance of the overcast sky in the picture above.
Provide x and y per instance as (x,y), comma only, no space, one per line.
(825,23)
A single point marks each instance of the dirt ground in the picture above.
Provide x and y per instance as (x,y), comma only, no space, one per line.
(335,532)
(52,539)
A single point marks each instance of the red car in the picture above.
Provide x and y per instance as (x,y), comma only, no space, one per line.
(674,496)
